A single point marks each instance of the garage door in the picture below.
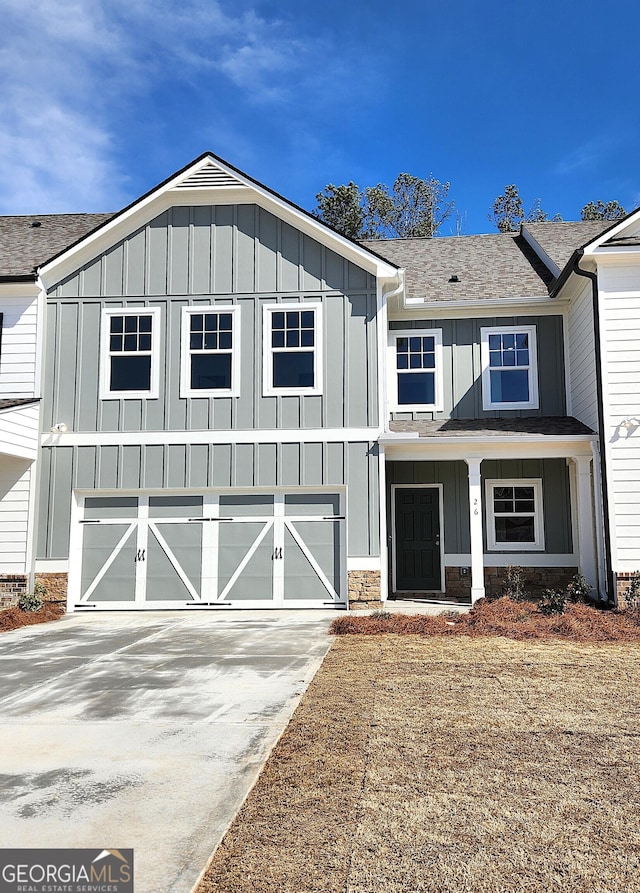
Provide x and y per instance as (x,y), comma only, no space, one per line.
(212,550)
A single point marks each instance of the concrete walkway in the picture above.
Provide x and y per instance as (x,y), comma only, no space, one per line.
(145,730)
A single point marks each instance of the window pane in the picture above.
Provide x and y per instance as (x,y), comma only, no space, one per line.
(402,345)
(293,319)
(211,371)
(130,373)
(293,338)
(508,342)
(525,505)
(522,357)
(115,342)
(277,321)
(144,323)
(509,358)
(416,387)
(130,342)
(510,386)
(211,322)
(117,323)
(144,342)
(195,342)
(515,530)
(307,319)
(503,492)
(131,323)
(494,342)
(415,361)
(293,370)
(402,361)
(211,341)
(277,339)
(225,322)
(225,341)
(503,506)
(306,339)
(524,493)
(415,344)
(522,340)
(197,322)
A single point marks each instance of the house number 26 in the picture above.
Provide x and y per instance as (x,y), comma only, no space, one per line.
(475,511)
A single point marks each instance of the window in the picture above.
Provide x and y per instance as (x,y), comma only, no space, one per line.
(292,349)
(509,368)
(210,359)
(130,344)
(514,515)
(416,362)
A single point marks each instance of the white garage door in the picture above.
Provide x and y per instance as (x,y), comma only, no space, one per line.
(212,550)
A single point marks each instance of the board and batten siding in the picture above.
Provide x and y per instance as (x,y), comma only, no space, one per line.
(217,466)
(462,367)
(15,483)
(582,358)
(455,488)
(620,325)
(19,346)
(204,256)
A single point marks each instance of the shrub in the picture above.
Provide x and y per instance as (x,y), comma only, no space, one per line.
(553,601)
(578,590)
(33,601)
(513,585)
(632,595)
(380,615)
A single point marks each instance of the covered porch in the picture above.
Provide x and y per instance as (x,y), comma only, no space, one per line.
(466,499)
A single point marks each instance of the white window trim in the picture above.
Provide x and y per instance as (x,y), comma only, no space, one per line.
(394,405)
(185,351)
(538,516)
(105,371)
(532,402)
(268,389)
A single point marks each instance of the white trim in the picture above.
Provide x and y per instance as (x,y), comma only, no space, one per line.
(254,435)
(463,448)
(393,372)
(526,559)
(357,563)
(489,307)
(105,376)
(52,566)
(440,489)
(268,388)
(475,528)
(538,515)
(186,353)
(485,333)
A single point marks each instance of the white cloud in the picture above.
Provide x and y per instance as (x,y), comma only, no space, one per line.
(72,70)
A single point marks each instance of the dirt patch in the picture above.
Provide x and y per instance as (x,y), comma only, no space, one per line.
(504,617)
(449,765)
(14,618)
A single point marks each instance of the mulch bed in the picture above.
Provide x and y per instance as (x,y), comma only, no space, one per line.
(14,618)
(520,620)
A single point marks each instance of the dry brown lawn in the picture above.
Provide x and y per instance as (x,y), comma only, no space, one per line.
(449,764)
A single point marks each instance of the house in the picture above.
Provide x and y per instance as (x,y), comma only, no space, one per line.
(243,408)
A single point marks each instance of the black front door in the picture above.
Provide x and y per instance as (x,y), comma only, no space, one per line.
(417,533)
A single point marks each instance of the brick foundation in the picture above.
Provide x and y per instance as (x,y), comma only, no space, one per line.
(12,586)
(55,584)
(536,579)
(364,589)
(622,585)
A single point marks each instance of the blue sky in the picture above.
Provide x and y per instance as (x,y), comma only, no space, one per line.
(102,99)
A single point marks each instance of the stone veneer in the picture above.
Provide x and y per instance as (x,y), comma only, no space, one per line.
(55,584)
(364,589)
(12,586)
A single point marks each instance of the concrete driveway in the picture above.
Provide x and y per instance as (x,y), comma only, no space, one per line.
(145,730)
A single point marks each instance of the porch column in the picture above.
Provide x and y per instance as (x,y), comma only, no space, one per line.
(475,529)
(584,505)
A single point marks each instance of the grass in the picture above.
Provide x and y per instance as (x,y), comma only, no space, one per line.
(449,763)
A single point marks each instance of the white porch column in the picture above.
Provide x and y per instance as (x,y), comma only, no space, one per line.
(475,528)
(584,505)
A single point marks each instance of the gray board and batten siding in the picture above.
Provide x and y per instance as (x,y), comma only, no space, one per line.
(462,368)
(454,478)
(203,256)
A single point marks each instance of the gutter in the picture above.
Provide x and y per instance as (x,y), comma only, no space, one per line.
(575,267)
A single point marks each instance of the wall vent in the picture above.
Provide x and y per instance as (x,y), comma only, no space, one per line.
(209,177)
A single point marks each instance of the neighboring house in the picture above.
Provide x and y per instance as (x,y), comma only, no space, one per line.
(242,408)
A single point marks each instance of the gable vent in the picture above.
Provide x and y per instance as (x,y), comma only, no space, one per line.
(209,177)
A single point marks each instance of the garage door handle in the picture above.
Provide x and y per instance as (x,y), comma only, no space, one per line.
(140,555)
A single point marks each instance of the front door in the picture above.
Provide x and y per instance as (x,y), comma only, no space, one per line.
(418,565)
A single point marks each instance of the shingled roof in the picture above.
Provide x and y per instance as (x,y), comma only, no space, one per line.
(487,267)
(27,242)
(558,426)
(559,239)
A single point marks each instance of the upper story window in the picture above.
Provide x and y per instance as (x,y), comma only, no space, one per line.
(130,347)
(292,349)
(416,361)
(509,367)
(514,515)
(210,351)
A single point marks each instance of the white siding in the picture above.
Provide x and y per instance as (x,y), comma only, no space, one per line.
(19,345)
(620,316)
(15,480)
(19,431)
(581,358)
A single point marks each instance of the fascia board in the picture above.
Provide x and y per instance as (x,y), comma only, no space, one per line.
(611,256)
(501,305)
(459,449)
(167,195)
(539,250)
(613,231)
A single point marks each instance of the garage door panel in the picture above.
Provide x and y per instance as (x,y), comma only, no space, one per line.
(312,560)
(109,563)
(245,568)
(174,556)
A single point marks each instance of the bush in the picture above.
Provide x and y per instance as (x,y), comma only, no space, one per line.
(553,601)
(33,601)
(578,590)
(380,615)
(513,586)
